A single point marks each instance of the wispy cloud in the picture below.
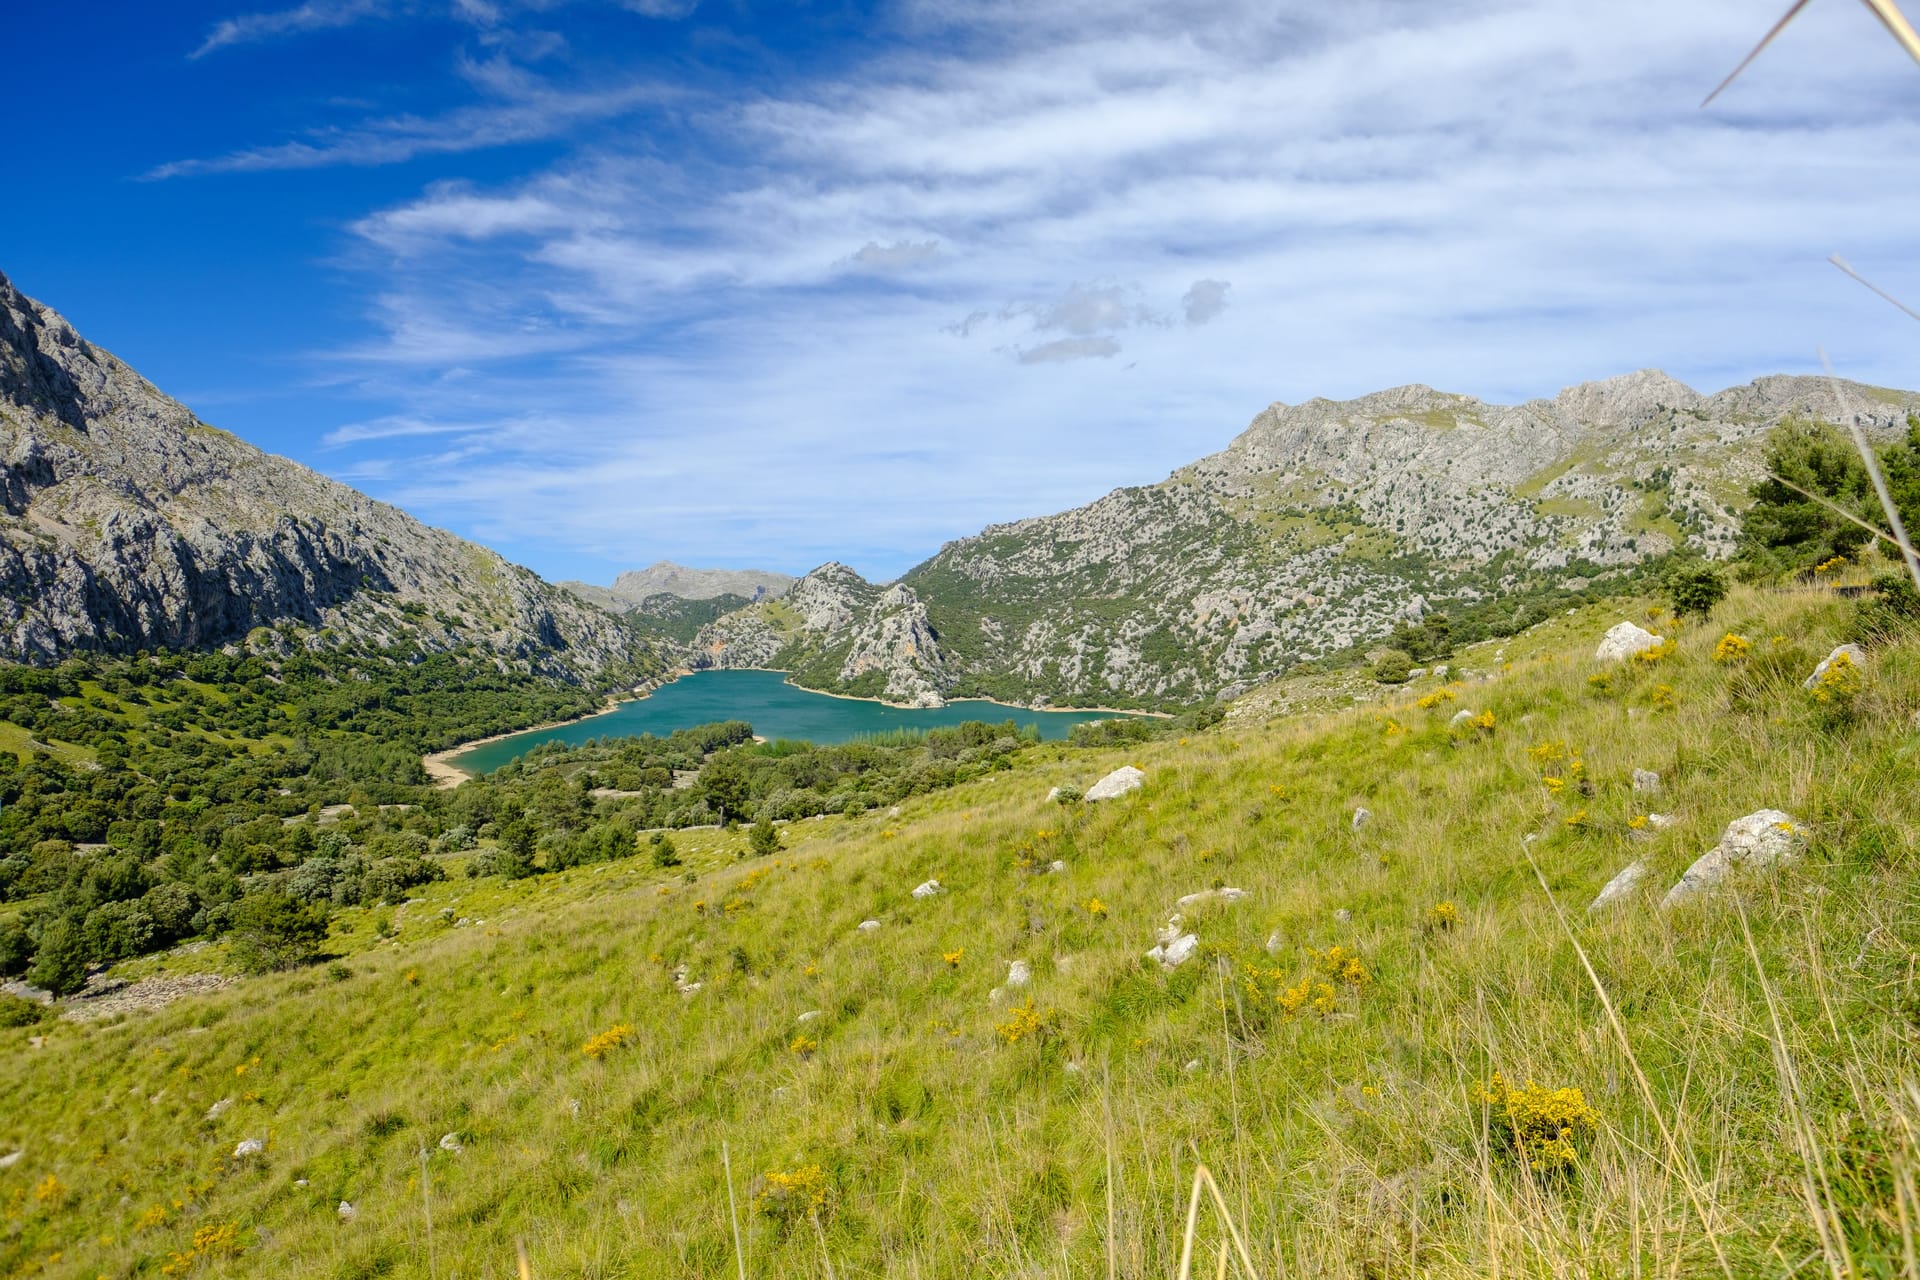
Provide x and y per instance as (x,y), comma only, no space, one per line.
(1494,196)
(314,15)
(529,112)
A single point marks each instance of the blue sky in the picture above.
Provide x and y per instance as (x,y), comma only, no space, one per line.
(766,284)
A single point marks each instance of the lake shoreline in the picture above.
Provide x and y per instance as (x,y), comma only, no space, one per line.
(444,771)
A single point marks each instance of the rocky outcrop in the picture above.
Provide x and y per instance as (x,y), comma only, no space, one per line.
(1759,840)
(1317,530)
(836,629)
(127,523)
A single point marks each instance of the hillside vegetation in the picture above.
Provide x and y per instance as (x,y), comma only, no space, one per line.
(1391,1051)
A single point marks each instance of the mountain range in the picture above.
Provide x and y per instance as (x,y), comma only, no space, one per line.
(127,523)
(1320,527)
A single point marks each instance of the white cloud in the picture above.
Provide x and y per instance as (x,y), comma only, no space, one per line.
(1063,349)
(1204,300)
(901,255)
(315,15)
(1492,196)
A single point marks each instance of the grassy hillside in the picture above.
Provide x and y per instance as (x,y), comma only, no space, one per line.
(1750,1112)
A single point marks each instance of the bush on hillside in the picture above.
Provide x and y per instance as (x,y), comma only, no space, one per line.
(274,931)
(1696,588)
(1395,666)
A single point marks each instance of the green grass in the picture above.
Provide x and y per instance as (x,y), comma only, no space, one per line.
(1346,1145)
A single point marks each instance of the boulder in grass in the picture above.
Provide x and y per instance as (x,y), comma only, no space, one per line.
(1224,894)
(1172,955)
(1361,817)
(248,1147)
(1116,784)
(1620,886)
(1624,640)
(1462,719)
(1019,973)
(450,1143)
(1853,653)
(1761,839)
(869,926)
(927,890)
(1646,782)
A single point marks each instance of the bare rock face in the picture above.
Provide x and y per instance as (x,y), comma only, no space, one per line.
(1121,781)
(126,523)
(1324,525)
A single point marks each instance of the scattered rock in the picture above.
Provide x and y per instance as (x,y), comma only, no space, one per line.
(682,985)
(1441,671)
(1343,916)
(1646,782)
(1461,718)
(1274,943)
(299,1182)
(809,1016)
(347,1212)
(1056,866)
(1193,1065)
(11,1159)
(1053,795)
(1661,821)
(1415,673)
(1209,895)
(927,890)
(451,1142)
(1019,973)
(1172,955)
(1072,1068)
(1361,817)
(143,996)
(1758,840)
(1169,931)
(219,1108)
(1116,784)
(1620,886)
(1623,640)
(894,812)
(869,926)
(1853,653)
(248,1147)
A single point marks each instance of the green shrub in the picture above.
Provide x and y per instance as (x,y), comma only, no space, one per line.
(1696,588)
(273,930)
(1395,666)
(16,1011)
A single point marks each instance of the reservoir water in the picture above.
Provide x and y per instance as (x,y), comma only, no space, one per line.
(773,707)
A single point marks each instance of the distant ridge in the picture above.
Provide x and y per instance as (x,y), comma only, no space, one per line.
(632,588)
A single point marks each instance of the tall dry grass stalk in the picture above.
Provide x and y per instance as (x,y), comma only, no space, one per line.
(1886,10)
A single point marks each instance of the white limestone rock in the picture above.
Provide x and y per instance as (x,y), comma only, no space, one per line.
(1116,784)
(1761,839)
(1173,954)
(927,890)
(869,926)
(1623,640)
(1361,817)
(1225,894)
(1620,886)
(1646,782)
(248,1147)
(1853,653)
(450,1142)
(1019,974)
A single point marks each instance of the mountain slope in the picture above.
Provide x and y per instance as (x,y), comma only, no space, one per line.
(996,1080)
(1324,525)
(663,577)
(126,523)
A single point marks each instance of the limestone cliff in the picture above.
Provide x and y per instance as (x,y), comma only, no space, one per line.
(126,523)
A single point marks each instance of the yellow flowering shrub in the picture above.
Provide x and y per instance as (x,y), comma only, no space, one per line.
(952,958)
(801,1193)
(1541,1126)
(1732,648)
(802,1046)
(1096,908)
(607,1041)
(1443,915)
(215,1240)
(49,1189)
(1440,696)
(1343,965)
(1664,697)
(1484,722)
(1840,683)
(1833,565)
(1656,653)
(1024,1022)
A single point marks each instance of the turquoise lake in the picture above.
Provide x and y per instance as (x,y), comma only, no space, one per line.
(773,707)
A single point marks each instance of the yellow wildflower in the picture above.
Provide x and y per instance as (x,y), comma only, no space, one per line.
(1536,1124)
(607,1041)
(1732,648)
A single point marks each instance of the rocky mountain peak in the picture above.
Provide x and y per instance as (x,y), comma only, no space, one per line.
(1626,399)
